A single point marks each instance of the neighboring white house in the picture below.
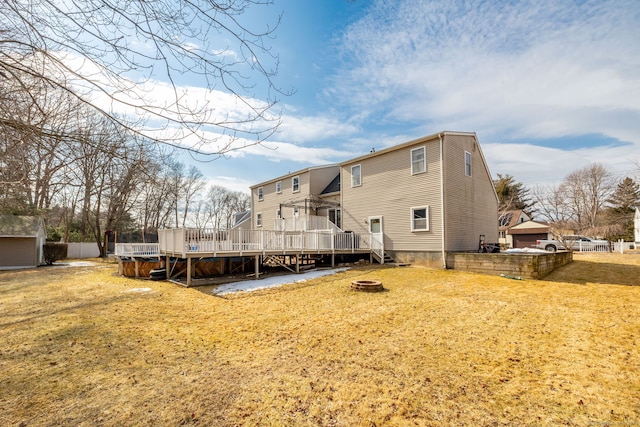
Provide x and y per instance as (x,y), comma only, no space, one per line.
(636,226)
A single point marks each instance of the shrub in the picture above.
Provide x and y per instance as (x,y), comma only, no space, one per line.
(54,252)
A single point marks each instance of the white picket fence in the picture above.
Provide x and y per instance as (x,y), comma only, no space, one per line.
(619,246)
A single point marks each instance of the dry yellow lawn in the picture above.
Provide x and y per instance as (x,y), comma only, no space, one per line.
(437,348)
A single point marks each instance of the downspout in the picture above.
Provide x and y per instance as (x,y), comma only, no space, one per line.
(442,243)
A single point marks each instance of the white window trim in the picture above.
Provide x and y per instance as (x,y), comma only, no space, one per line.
(359,166)
(467,155)
(260,194)
(258,219)
(413,209)
(424,160)
(293,187)
(278,187)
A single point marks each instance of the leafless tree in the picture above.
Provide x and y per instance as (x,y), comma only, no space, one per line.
(218,207)
(587,191)
(36,127)
(578,202)
(109,53)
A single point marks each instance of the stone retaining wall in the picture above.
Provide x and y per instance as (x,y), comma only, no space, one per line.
(524,265)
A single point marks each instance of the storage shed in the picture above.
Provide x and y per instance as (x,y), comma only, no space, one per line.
(21,241)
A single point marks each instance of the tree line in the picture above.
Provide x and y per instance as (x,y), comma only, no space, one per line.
(87,175)
(69,69)
(589,201)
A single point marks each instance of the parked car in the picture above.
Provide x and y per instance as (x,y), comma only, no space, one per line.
(572,242)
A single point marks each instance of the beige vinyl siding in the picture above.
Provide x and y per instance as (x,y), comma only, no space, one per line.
(312,182)
(388,189)
(271,200)
(471,205)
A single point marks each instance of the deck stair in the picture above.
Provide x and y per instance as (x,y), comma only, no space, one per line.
(275,261)
(387,259)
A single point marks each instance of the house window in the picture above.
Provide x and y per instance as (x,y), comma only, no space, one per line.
(259,219)
(279,187)
(295,212)
(418,161)
(420,218)
(260,194)
(356,179)
(467,163)
(335,216)
(295,184)
(278,214)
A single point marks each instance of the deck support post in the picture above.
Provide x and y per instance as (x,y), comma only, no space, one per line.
(188,271)
(257,266)
(298,264)
(137,266)
(167,266)
(333,260)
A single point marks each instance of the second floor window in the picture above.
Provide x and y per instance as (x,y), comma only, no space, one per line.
(418,161)
(356,178)
(279,187)
(295,184)
(260,194)
(467,163)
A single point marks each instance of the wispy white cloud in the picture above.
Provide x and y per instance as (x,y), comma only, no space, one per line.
(305,129)
(504,69)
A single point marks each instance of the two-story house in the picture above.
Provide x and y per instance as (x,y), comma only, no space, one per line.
(297,201)
(420,200)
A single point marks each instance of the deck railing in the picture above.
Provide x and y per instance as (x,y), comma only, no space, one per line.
(183,241)
(137,249)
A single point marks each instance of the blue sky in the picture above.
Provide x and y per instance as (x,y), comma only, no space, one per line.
(548,86)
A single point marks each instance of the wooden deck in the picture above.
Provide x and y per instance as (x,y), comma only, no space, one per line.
(190,243)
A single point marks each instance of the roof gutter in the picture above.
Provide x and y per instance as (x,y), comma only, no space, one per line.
(442,218)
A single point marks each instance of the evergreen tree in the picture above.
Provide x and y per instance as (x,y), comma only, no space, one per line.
(626,197)
(622,207)
(512,195)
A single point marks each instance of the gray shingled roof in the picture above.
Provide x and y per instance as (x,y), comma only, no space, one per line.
(333,187)
(19,226)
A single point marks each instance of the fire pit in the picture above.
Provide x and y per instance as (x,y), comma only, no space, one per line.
(367,285)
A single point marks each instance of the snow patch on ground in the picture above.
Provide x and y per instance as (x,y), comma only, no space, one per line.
(270,282)
(73,264)
(137,290)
